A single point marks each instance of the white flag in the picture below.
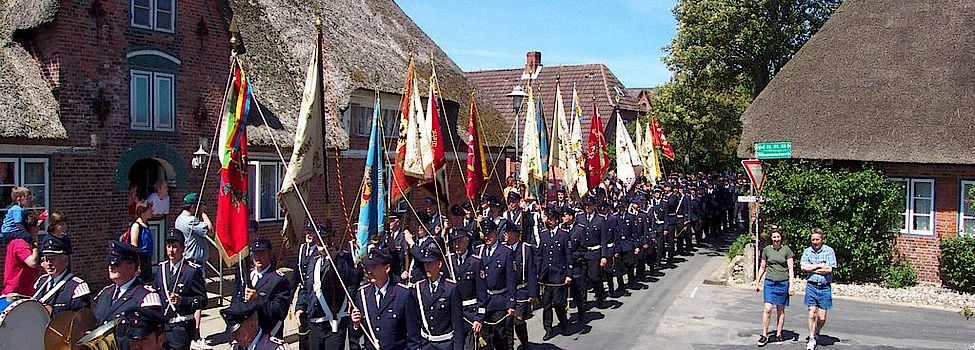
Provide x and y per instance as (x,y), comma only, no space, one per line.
(560,151)
(531,158)
(627,156)
(578,154)
(413,162)
(651,168)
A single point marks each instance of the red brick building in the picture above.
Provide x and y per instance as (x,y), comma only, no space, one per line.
(888,84)
(97,97)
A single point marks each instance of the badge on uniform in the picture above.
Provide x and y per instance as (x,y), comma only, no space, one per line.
(483,274)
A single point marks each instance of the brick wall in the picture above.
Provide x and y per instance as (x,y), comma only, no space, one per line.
(923,251)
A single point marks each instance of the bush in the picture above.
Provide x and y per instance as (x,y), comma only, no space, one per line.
(738,246)
(958,263)
(900,275)
(856,209)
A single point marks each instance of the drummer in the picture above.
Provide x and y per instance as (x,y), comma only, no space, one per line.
(59,289)
(126,290)
(144,328)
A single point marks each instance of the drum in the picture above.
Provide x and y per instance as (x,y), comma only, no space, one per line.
(21,323)
(67,328)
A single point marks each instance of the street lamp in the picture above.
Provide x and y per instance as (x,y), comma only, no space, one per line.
(200,156)
(517,95)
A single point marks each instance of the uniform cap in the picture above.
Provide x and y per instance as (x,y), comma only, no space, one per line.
(54,245)
(235,314)
(175,235)
(139,323)
(261,244)
(458,233)
(514,196)
(375,257)
(430,254)
(119,252)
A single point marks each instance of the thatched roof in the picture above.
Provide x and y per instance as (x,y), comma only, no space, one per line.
(595,83)
(368,45)
(884,80)
(28,108)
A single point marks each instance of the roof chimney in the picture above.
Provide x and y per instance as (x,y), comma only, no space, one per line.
(533,59)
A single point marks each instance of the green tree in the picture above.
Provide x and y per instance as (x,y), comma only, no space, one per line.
(723,55)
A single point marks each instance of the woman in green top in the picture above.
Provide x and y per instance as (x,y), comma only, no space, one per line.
(776,273)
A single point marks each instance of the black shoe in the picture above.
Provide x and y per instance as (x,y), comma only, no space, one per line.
(762,341)
(549,334)
(774,339)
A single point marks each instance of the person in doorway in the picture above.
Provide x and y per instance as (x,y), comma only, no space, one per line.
(818,261)
(160,199)
(140,236)
(775,276)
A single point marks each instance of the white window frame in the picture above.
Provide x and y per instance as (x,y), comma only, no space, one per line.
(153,17)
(154,120)
(911,213)
(19,178)
(388,103)
(258,174)
(962,214)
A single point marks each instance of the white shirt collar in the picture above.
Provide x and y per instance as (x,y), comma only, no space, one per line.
(125,286)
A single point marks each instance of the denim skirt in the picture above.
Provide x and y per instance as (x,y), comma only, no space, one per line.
(777,292)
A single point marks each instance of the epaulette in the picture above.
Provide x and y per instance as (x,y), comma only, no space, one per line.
(77,279)
(283,270)
(193,264)
(149,288)
(80,290)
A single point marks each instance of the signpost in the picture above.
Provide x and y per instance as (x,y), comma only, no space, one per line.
(753,167)
(773,150)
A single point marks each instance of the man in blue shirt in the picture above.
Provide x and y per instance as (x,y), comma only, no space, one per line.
(818,262)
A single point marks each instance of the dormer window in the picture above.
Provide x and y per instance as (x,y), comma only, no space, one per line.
(158,15)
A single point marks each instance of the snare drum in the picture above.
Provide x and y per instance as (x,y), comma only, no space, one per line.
(22,324)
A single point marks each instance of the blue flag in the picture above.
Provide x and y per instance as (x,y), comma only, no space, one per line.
(543,146)
(372,204)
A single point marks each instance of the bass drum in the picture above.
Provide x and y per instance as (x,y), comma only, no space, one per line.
(22,324)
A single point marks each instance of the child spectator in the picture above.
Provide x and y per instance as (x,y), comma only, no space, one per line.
(14,220)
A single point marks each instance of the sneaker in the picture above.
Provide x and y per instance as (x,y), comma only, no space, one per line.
(774,339)
(811,344)
(762,341)
(199,344)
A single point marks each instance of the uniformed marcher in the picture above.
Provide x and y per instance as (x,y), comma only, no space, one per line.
(694,215)
(630,228)
(593,240)
(435,313)
(322,301)
(526,278)
(553,272)
(182,291)
(613,270)
(470,287)
(381,306)
(658,225)
(266,288)
(126,291)
(682,217)
(307,251)
(145,329)
(415,245)
(243,323)
(59,289)
(499,279)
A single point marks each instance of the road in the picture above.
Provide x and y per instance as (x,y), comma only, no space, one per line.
(676,310)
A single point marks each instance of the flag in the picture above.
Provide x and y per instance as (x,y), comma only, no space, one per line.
(577,161)
(307,155)
(232,215)
(531,162)
(560,152)
(477,171)
(627,156)
(659,140)
(597,161)
(402,184)
(419,157)
(576,105)
(651,166)
(438,164)
(372,204)
(543,146)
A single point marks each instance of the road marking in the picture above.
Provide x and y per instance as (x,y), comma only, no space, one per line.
(694,292)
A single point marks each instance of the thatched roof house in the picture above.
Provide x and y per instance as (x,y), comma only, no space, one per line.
(888,81)
(368,45)
(28,108)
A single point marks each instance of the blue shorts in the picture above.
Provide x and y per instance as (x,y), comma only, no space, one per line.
(776,292)
(819,297)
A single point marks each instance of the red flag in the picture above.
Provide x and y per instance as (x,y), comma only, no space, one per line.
(476,173)
(401,183)
(232,216)
(659,140)
(436,142)
(597,157)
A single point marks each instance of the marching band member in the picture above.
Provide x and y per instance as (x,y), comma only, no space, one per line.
(58,289)
(182,291)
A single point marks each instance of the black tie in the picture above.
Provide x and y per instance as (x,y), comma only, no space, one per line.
(117,294)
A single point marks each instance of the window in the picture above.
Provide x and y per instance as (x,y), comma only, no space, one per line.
(27,172)
(151,97)
(917,210)
(159,15)
(264,180)
(359,117)
(966,210)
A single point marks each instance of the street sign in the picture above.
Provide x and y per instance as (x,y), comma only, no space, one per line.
(773,150)
(747,199)
(754,169)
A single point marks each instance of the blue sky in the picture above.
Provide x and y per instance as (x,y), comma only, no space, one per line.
(626,35)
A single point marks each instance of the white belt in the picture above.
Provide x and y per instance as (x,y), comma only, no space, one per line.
(659,222)
(179,319)
(595,247)
(680,216)
(610,245)
(469,302)
(437,338)
(522,286)
(497,291)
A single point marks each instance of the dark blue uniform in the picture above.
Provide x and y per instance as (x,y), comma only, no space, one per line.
(473,294)
(111,302)
(593,240)
(64,293)
(186,280)
(629,230)
(554,263)
(323,302)
(526,286)
(694,216)
(436,315)
(386,322)
(500,282)
(273,297)
(306,253)
(682,230)
(416,269)
(657,220)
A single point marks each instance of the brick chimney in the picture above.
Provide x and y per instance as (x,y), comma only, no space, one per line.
(533,59)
